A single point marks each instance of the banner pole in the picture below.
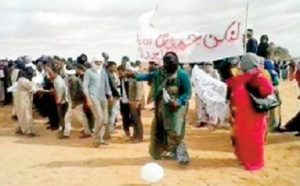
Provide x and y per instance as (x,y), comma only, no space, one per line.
(246,25)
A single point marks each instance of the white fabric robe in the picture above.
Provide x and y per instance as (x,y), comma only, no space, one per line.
(23,101)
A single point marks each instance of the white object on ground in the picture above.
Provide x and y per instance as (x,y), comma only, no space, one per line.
(152,172)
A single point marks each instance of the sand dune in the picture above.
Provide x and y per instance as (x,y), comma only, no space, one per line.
(48,161)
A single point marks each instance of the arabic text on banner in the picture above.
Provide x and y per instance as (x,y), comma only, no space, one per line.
(212,92)
(207,43)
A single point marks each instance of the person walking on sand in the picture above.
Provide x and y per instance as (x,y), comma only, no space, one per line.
(23,102)
(62,98)
(96,89)
(249,126)
(172,91)
(135,96)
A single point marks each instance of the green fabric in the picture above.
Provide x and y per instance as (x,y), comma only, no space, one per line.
(276,81)
(168,126)
(167,131)
(158,78)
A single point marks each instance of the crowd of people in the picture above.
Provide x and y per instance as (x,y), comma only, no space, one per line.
(96,90)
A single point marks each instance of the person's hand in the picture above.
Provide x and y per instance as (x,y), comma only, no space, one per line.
(89,103)
(174,105)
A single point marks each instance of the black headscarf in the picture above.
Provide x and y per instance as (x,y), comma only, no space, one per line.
(262,49)
(82,59)
(27,73)
(171,62)
(225,70)
(124,60)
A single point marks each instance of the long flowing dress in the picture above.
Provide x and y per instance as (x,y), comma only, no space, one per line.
(168,126)
(14,77)
(24,96)
(249,126)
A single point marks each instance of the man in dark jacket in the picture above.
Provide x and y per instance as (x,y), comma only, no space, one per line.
(124,102)
(263,46)
(252,42)
(114,84)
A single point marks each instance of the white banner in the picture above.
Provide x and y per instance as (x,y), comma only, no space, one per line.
(212,92)
(217,41)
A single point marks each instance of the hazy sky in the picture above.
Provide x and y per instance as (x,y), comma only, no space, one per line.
(71,27)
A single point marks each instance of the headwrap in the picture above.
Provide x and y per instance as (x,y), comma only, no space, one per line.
(234,61)
(225,70)
(96,67)
(105,55)
(27,59)
(70,71)
(82,59)
(131,68)
(171,62)
(27,73)
(20,65)
(124,60)
(31,65)
(249,62)
(173,58)
(264,37)
(45,59)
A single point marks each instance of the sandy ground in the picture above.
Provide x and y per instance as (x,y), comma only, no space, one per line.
(47,160)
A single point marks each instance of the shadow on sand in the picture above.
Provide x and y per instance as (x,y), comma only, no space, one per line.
(196,163)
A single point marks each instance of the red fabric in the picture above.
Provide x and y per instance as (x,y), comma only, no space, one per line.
(249,126)
(297,76)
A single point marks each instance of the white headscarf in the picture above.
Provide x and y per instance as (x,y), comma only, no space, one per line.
(33,66)
(131,68)
(96,67)
(68,72)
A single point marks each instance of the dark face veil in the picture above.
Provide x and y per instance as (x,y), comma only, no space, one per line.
(27,72)
(171,62)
